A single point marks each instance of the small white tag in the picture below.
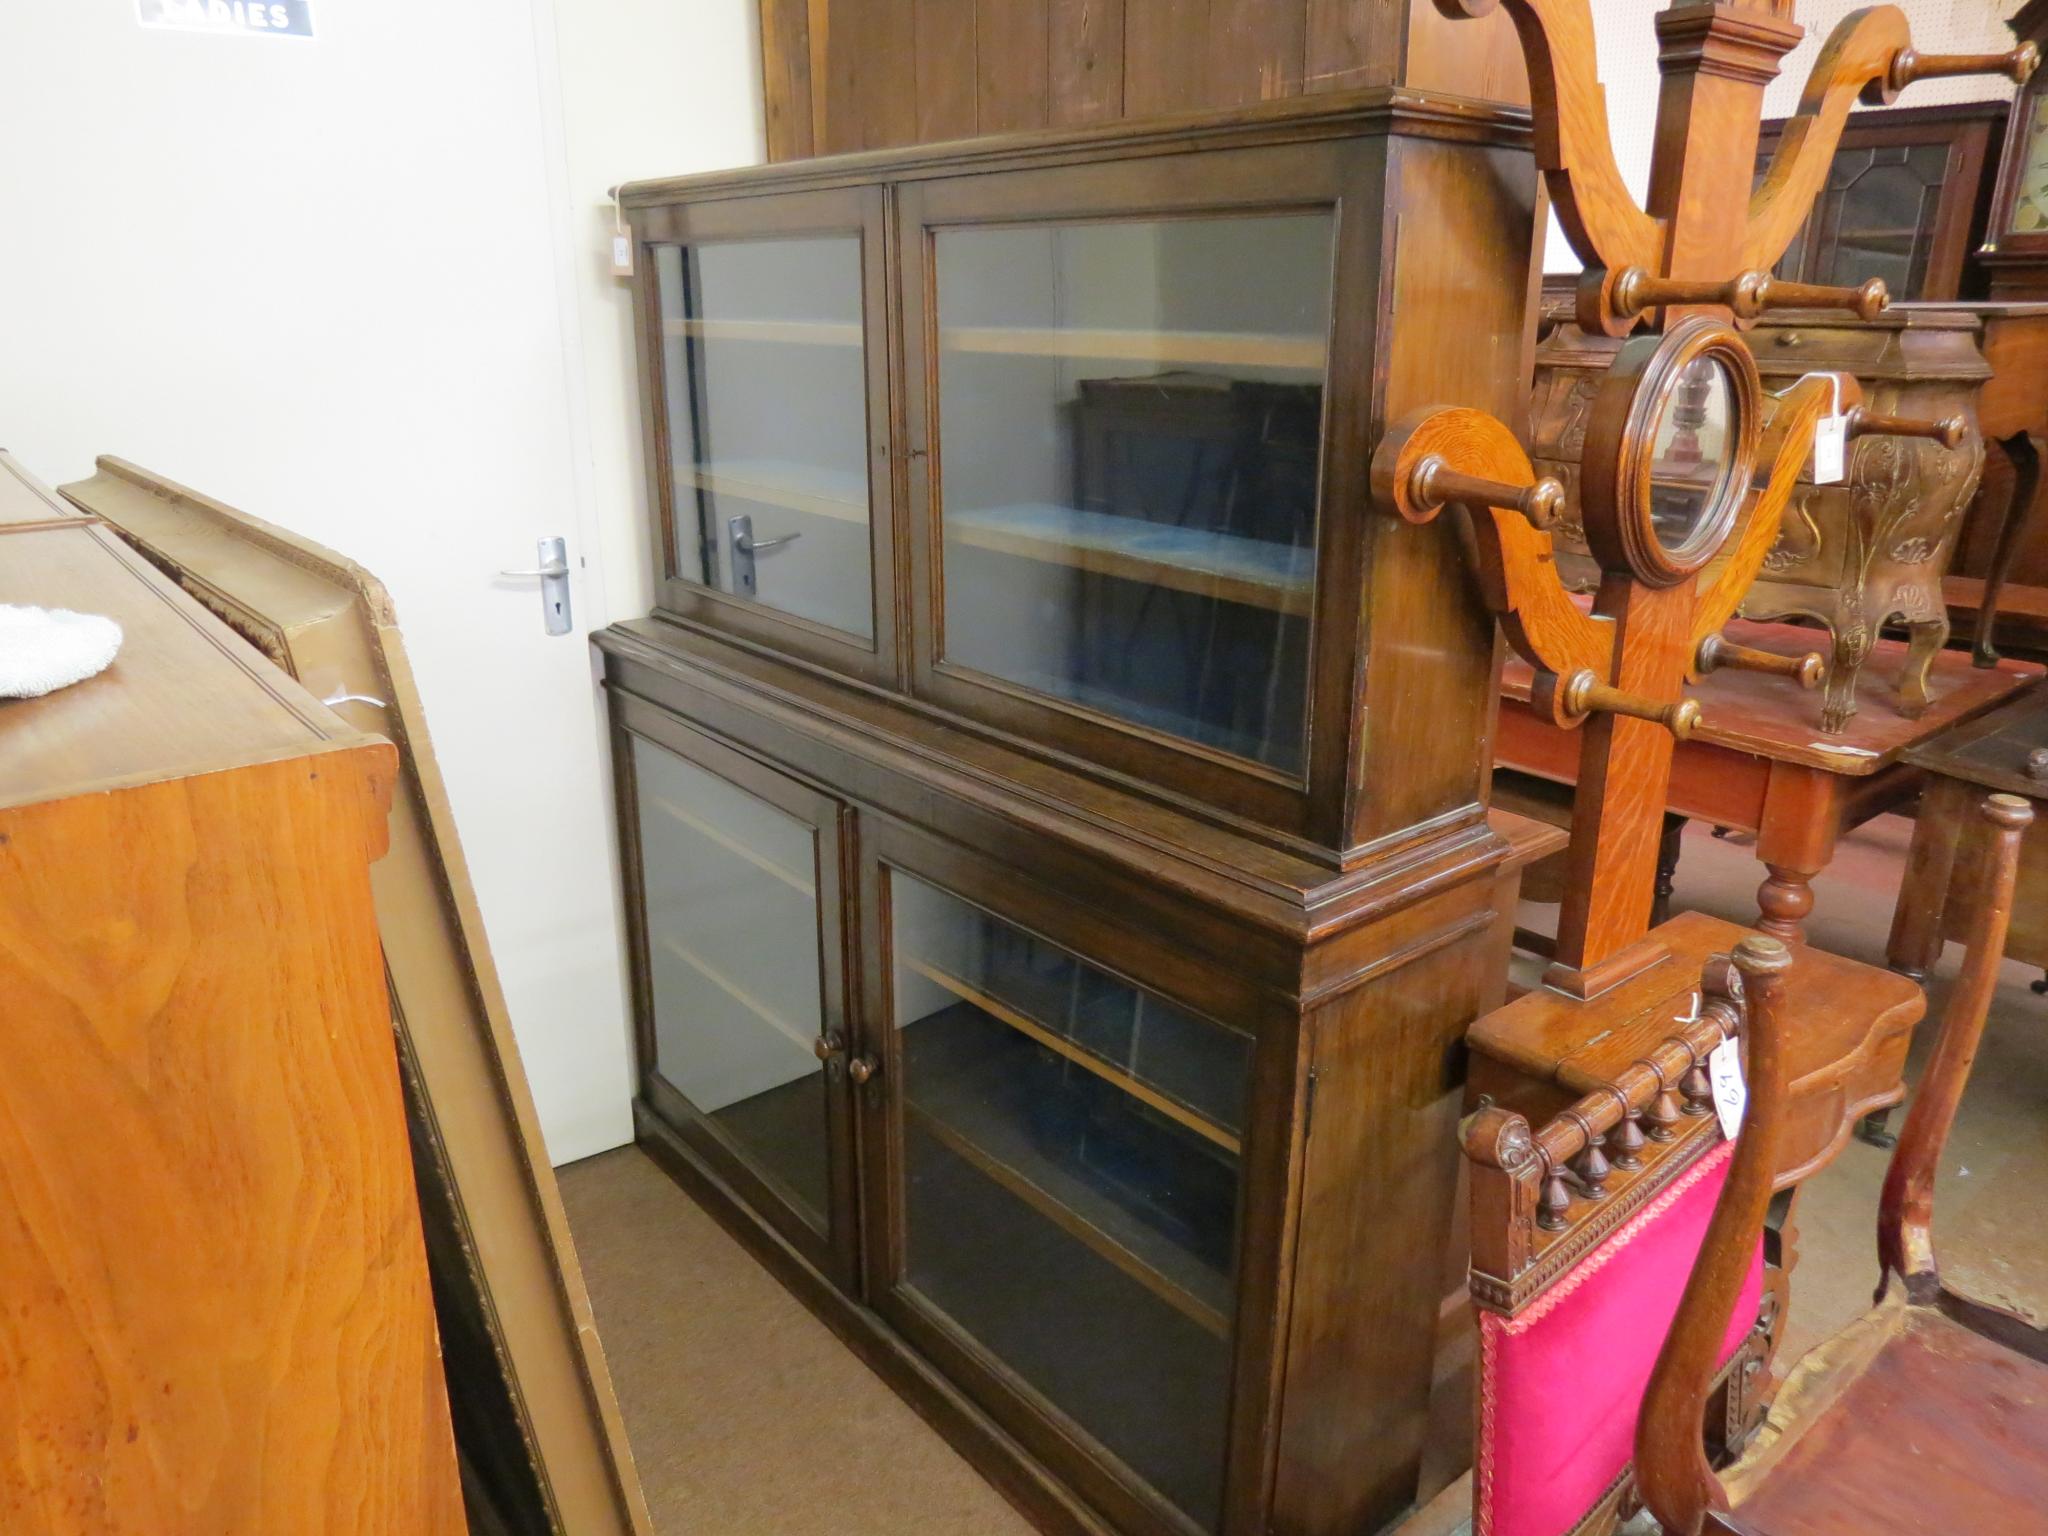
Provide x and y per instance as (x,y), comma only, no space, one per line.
(1830,450)
(622,252)
(1731,1094)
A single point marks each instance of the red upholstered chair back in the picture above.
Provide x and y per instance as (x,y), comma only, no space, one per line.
(1579,1262)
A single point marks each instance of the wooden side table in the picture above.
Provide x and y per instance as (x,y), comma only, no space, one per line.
(2006,751)
(1759,762)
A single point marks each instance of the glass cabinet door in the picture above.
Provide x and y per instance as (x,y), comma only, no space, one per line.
(1069,1149)
(1128,425)
(742,1046)
(770,377)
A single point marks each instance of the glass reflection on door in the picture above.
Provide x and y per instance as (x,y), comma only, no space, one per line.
(763,348)
(1129,424)
(1071,1147)
(734,960)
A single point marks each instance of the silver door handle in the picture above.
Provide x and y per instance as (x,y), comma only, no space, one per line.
(553,572)
(754,546)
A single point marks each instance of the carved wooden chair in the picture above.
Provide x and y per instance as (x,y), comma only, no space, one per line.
(1929,1414)
(1583,1230)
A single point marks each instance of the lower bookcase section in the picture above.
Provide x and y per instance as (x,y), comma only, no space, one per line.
(1020,1104)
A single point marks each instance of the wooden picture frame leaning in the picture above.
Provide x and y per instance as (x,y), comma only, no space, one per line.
(542,1444)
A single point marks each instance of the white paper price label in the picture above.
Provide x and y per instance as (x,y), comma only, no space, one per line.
(622,253)
(1731,1093)
(1830,450)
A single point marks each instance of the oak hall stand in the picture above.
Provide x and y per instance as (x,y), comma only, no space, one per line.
(218,1312)
(1053,801)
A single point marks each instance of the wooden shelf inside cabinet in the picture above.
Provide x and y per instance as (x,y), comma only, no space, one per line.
(999,1149)
(1166,1105)
(733,846)
(732,989)
(1256,572)
(780,483)
(1218,349)
(1221,349)
(806,333)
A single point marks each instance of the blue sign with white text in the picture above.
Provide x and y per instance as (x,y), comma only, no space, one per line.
(240,18)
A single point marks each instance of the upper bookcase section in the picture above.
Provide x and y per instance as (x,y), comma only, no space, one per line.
(1064,437)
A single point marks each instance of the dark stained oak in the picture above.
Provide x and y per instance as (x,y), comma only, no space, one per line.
(898,72)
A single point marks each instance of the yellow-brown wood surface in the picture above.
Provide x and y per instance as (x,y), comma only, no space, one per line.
(216,1313)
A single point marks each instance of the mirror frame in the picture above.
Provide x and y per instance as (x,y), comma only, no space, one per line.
(1621,434)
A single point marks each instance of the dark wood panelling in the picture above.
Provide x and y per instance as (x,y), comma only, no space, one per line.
(1085,41)
(844,75)
(786,77)
(1348,43)
(1166,56)
(944,68)
(1255,51)
(868,62)
(1009,65)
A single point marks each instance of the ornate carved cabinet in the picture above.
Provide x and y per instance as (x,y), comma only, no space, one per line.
(1052,802)
(1858,555)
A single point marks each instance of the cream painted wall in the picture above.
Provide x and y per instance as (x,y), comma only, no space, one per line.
(1628,69)
(352,286)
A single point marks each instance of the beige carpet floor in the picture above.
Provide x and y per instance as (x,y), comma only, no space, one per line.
(748,1418)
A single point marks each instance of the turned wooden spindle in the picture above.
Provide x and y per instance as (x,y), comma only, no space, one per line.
(1718,651)
(1435,484)
(1910,64)
(1554,1208)
(1746,296)
(1592,1167)
(1949,431)
(1664,1114)
(1698,1089)
(1583,694)
(1628,1143)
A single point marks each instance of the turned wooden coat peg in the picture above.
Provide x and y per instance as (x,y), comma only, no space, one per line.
(1612,305)
(1434,484)
(1910,64)
(1718,651)
(1949,431)
(1573,698)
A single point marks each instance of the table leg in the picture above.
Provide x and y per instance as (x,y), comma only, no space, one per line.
(2025,458)
(1925,638)
(1668,849)
(1802,816)
(1915,941)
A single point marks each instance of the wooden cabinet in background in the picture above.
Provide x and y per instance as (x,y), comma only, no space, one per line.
(1056,912)
(218,1310)
(1905,200)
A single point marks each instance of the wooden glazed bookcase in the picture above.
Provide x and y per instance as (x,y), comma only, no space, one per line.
(1080,1037)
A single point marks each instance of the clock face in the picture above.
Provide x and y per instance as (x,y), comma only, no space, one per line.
(2030,195)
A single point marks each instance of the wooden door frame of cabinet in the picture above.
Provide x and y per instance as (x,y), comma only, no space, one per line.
(1976,130)
(767,214)
(1272,1127)
(1330,176)
(837,1251)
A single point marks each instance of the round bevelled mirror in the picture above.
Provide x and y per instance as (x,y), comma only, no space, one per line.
(1670,446)
(1691,452)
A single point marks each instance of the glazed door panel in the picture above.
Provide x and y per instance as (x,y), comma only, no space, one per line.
(765,361)
(1120,442)
(738,879)
(1061,1179)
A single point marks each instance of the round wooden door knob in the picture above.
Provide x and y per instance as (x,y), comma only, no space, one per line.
(861,1068)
